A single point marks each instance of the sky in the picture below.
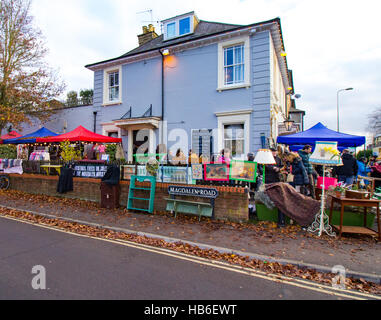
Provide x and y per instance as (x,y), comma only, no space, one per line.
(330,44)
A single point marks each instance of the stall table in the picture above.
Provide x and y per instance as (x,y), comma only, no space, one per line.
(47,167)
(365,203)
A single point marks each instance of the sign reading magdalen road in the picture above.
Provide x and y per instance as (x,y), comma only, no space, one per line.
(210,193)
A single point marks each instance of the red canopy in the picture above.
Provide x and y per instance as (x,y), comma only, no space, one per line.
(10,135)
(80,134)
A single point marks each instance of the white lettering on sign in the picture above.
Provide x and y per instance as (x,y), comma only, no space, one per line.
(207,193)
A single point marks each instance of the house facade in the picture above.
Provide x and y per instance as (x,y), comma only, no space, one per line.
(200,85)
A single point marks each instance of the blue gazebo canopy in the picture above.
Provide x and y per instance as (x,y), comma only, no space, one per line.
(31,138)
(321,133)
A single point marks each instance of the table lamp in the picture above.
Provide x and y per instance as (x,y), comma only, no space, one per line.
(325,154)
(264,156)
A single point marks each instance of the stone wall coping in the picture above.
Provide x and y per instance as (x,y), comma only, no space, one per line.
(124,182)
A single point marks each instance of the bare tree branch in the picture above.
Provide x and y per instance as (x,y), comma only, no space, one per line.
(27,83)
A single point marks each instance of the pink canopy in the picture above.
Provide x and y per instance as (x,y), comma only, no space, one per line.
(80,134)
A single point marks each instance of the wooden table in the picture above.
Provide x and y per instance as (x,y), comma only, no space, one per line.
(365,203)
(47,167)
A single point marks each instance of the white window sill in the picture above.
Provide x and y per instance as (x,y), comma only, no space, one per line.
(113,103)
(237,86)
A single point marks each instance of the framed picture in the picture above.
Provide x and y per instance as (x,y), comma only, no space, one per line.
(197,172)
(128,171)
(243,170)
(216,172)
(171,174)
(105,157)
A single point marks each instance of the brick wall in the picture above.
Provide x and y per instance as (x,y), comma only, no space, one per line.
(232,203)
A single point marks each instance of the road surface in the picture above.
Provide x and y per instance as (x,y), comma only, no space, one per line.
(79,267)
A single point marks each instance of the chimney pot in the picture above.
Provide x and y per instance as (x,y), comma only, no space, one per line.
(147,35)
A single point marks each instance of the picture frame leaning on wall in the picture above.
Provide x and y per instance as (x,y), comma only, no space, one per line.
(243,171)
(215,171)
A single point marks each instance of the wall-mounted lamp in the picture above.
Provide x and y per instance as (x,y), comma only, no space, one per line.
(288,124)
(283,53)
(165,52)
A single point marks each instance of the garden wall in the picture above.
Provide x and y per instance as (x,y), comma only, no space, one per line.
(231,204)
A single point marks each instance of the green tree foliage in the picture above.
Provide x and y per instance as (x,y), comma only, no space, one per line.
(86,96)
(111,151)
(72,99)
(8,151)
(68,152)
(367,154)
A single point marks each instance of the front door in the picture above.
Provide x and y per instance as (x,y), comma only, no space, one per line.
(140,141)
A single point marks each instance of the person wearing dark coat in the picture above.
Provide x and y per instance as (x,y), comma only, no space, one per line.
(305,154)
(348,171)
(272,171)
(112,175)
(298,170)
(272,175)
(65,180)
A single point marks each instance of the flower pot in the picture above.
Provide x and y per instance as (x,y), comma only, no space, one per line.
(338,194)
(265,214)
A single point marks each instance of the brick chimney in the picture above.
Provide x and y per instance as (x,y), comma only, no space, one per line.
(147,35)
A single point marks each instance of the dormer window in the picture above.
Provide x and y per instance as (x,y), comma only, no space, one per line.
(184,26)
(171,30)
(179,26)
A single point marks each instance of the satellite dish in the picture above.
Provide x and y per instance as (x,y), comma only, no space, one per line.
(297,96)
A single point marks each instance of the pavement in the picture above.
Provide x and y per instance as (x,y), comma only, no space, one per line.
(360,255)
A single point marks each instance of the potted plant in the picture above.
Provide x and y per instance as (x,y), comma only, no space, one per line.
(338,190)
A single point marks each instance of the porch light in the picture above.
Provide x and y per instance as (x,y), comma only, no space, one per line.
(165,52)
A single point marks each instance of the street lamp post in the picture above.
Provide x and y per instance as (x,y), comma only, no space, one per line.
(347,89)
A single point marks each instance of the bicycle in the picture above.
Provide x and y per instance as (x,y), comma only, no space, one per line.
(4,182)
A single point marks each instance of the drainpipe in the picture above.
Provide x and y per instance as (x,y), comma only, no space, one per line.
(162,98)
(95,121)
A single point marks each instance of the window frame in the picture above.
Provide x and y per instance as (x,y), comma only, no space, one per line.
(166,29)
(234,138)
(177,27)
(106,85)
(222,46)
(230,118)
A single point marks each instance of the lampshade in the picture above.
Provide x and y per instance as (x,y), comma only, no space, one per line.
(264,156)
(326,153)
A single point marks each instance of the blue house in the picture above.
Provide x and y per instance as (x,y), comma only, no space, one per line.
(200,85)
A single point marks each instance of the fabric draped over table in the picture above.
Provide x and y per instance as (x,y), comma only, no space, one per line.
(11,166)
(296,206)
(65,181)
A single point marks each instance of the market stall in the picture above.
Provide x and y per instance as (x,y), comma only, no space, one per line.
(86,167)
(26,149)
(321,133)
(80,134)
(10,135)
(31,137)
